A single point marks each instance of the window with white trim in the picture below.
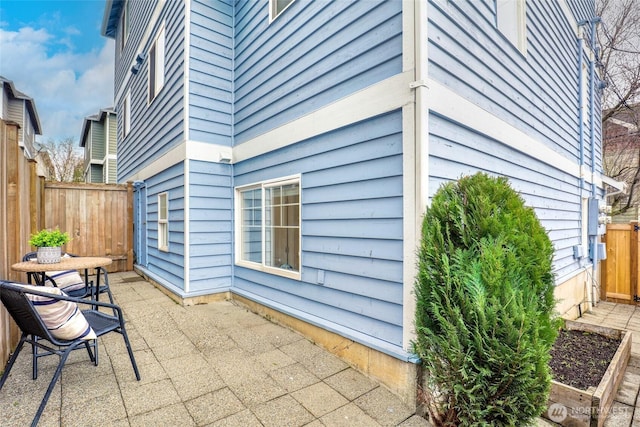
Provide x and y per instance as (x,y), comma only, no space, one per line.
(156,66)
(126,115)
(163,222)
(269,227)
(276,7)
(511,21)
(124,24)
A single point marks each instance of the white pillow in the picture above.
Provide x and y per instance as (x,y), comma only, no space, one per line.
(68,280)
(63,318)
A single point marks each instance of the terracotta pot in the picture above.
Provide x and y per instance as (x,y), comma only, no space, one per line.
(49,255)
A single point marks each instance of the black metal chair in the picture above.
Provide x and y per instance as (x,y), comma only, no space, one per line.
(15,297)
(88,291)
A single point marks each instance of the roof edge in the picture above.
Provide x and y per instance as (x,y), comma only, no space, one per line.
(31,104)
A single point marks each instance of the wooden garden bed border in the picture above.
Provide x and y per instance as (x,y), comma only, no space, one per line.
(590,408)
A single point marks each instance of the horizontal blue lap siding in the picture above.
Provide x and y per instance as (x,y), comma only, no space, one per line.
(210,227)
(311,55)
(140,13)
(211,72)
(351,187)
(535,92)
(156,127)
(455,150)
(167,265)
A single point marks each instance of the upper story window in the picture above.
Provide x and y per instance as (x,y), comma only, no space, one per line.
(163,222)
(124,24)
(156,65)
(276,7)
(268,218)
(126,115)
(511,21)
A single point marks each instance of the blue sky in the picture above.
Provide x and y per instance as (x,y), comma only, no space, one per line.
(52,50)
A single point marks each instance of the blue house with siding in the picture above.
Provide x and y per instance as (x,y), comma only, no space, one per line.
(284,151)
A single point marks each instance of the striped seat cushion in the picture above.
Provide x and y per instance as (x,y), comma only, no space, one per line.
(62,318)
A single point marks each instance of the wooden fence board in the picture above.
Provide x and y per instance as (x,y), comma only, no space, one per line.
(17,214)
(97,218)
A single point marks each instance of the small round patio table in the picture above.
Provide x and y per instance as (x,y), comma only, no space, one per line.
(66,263)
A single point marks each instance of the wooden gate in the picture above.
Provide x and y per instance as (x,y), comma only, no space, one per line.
(620,272)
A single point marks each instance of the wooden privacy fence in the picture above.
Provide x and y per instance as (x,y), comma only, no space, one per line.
(620,272)
(20,192)
(98,217)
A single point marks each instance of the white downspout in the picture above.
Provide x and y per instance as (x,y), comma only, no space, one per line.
(422,107)
(416,157)
(187,157)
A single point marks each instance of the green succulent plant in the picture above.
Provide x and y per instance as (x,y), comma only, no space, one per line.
(49,238)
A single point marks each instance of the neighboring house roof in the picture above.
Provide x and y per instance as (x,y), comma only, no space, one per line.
(632,127)
(31,104)
(94,118)
(110,18)
(621,142)
(628,117)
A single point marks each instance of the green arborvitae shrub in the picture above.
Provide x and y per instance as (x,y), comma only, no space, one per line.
(485,308)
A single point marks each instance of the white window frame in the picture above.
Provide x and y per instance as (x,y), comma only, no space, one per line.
(511,20)
(163,222)
(262,266)
(273,9)
(124,24)
(156,65)
(126,115)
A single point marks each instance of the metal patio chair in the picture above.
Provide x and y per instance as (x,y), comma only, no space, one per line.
(23,303)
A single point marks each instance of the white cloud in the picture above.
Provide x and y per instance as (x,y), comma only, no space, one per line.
(65,86)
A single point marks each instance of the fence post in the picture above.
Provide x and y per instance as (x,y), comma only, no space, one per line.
(635,265)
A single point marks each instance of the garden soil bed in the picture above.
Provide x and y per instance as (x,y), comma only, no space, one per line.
(588,363)
(580,358)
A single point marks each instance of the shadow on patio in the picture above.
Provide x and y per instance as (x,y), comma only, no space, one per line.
(214,364)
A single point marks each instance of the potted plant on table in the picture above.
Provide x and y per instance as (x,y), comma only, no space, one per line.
(49,243)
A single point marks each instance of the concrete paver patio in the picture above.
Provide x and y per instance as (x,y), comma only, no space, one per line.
(207,365)
(221,365)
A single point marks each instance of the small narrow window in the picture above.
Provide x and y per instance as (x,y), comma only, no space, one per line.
(126,115)
(124,24)
(156,66)
(511,21)
(269,227)
(163,222)
(276,7)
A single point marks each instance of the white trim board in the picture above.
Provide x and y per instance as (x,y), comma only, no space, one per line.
(387,95)
(187,150)
(449,104)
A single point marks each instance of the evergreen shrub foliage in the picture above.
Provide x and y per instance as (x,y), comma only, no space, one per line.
(485,317)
